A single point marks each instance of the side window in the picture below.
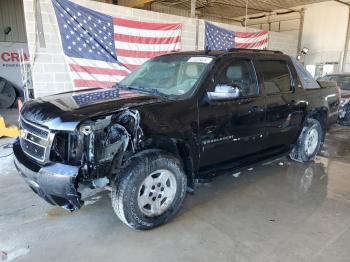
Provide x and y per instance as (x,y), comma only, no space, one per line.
(238,73)
(303,73)
(276,76)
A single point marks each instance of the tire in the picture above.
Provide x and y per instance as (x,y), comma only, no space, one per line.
(136,192)
(7,94)
(309,142)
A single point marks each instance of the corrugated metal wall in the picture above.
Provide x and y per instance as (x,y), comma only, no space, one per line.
(11,14)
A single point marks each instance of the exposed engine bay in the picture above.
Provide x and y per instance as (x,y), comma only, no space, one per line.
(99,144)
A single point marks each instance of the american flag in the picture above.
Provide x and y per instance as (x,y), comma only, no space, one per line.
(101,50)
(218,38)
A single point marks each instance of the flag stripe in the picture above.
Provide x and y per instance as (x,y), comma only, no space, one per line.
(258,45)
(140,54)
(146,47)
(97,70)
(250,35)
(132,62)
(251,40)
(132,67)
(97,77)
(81,83)
(146,33)
(95,73)
(145,25)
(94,63)
(146,40)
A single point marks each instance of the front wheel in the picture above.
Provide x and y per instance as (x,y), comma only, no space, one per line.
(150,190)
(309,142)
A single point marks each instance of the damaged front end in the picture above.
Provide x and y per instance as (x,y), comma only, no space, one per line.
(56,183)
(91,155)
(106,142)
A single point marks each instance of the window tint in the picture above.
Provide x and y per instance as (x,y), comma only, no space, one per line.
(276,76)
(240,74)
(303,73)
(307,80)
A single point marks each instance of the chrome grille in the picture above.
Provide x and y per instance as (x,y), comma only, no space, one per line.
(35,140)
(35,130)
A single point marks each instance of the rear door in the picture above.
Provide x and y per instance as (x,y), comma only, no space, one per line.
(283,114)
(231,130)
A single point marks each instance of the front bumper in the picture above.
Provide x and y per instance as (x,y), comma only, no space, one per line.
(56,183)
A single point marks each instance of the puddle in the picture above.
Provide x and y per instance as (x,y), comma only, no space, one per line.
(57,212)
(337,142)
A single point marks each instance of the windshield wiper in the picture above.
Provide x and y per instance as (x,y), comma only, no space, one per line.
(117,85)
(152,91)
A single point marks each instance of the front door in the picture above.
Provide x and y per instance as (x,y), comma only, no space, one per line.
(232,129)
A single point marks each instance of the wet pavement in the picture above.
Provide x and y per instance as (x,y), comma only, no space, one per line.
(279,211)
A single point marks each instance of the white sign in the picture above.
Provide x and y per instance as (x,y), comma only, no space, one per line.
(9,61)
(200,59)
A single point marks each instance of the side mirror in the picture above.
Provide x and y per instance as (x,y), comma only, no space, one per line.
(223,93)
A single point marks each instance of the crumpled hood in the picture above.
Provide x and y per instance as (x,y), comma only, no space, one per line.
(65,111)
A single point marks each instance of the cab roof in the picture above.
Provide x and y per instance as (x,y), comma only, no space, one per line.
(217,53)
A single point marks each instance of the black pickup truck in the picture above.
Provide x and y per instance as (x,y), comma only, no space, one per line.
(177,119)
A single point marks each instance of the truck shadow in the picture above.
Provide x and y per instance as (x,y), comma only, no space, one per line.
(270,185)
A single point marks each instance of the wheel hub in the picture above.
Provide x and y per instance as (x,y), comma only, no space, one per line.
(311,141)
(157,192)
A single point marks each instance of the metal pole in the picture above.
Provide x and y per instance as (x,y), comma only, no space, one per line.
(346,46)
(246,15)
(197,34)
(193,8)
(39,24)
(301,26)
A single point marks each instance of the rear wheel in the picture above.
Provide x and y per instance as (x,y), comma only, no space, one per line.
(309,142)
(150,190)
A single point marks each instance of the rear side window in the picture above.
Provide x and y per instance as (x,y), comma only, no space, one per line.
(276,76)
(303,73)
(308,82)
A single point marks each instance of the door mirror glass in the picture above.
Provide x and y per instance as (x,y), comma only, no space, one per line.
(224,92)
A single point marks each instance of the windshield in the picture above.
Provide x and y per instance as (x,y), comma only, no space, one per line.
(342,81)
(173,75)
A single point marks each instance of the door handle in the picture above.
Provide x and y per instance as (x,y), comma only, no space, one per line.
(291,103)
(256,109)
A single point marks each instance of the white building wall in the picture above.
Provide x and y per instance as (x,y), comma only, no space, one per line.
(324,32)
(50,73)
